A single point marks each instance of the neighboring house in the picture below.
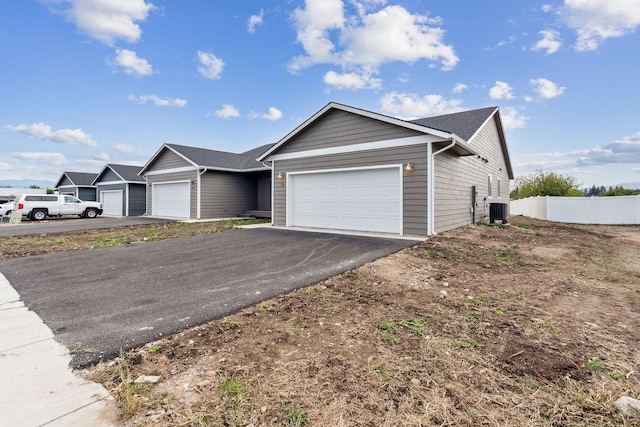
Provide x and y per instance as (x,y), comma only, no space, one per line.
(121,190)
(195,183)
(351,169)
(78,184)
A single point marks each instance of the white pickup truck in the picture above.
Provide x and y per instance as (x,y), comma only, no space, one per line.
(39,206)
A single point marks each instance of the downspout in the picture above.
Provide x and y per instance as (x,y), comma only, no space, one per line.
(200,173)
(431,200)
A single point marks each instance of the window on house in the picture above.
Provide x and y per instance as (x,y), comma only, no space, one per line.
(489,193)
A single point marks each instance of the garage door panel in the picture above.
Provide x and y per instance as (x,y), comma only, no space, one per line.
(111,202)
(361,200)
(172,200)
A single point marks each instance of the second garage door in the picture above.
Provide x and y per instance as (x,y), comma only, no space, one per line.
(111,202)
(359,200)
(171,200)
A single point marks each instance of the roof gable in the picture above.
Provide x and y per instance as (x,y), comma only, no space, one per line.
(215,159)
(79,179)
(126,173)
(364,113)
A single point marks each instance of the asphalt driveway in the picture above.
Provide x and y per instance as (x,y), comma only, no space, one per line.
(99,301)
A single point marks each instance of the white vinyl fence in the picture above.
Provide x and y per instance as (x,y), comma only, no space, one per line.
(580,210)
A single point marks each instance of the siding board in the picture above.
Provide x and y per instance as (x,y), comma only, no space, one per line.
(454,177)
(168,160)
(337,128)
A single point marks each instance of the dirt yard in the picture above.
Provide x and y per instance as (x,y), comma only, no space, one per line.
(533,324)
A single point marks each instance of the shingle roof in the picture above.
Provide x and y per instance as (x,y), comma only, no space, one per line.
(127,172)
(221,159)
(464,124)
(81,178)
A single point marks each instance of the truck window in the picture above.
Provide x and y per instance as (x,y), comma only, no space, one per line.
(71,199)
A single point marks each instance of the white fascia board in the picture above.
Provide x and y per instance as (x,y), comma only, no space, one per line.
(354,148)
(360,112)
(206,169)
(120,182)
(101,172)
(174,170)
(483,125)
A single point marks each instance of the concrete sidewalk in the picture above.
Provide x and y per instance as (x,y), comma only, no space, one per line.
(37,387)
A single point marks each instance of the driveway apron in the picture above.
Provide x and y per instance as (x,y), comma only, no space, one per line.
(100,301)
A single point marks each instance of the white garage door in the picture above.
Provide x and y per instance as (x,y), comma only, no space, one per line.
(359,200)
(171,200)
(111,202)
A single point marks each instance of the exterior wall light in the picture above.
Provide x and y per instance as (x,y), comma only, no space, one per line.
(281,175)
(409,167)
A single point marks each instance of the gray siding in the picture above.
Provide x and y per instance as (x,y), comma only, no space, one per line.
(168,160)
(337,128)
(414,183)
(173,177)
(227,194)
(137,199)
(65,181)
(455,176)
(86,194)
(115,187)
(108,176)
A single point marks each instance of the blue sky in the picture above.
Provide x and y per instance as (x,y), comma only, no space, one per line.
(86,82)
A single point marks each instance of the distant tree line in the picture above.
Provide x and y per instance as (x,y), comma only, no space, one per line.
(611,191)
(543,183)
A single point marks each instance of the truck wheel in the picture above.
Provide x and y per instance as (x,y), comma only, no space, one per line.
(38,215)
(91,213)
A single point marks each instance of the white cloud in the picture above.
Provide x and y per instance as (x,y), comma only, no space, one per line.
(56,159)
(512,119)
(546,89)
(367,40)
(96,161)
(501,90)
(105,20)
(459,88)
(549,42)
(157,101)
(104,157)
(273,114)
(625,150)
(353,81)
(45,132)
(128,60)
(123,148)
(597,20)
(622,151)
(210,65)
(411,106)
(227,111)
(546,8)
(254,21)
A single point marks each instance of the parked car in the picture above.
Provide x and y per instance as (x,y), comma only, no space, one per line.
(40,206)
(6,208)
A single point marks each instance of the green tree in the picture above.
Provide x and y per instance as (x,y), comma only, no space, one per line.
(542,183)
(35,187)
